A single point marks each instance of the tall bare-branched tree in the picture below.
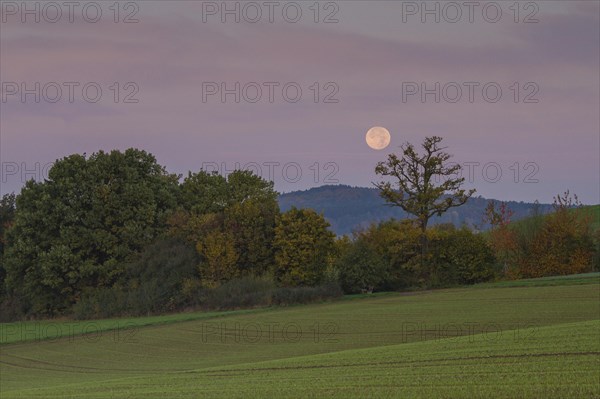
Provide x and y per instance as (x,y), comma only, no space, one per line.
(424,184)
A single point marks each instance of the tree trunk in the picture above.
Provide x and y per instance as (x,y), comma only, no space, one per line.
(424,249)
(424,241)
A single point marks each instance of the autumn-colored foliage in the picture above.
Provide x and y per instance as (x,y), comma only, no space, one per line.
(303,247)
(564,244)
(503,239)
(556,244)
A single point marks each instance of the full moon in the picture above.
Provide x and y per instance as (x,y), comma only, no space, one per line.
(378,138)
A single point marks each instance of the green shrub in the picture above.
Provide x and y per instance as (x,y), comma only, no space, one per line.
(388,257)
(381,258)
(249,292)
(361,268)
(245,292)
(303,295)
(11,309)
(459,256)
(152,283)
(101,303)
(155,280)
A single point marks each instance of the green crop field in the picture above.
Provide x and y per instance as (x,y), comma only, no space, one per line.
(539,339)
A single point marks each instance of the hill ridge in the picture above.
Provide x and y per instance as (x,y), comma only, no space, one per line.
(348,208)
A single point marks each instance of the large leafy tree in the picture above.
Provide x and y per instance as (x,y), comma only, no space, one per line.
(424,184)
(304,247)
(231,222)
(204,192)
(250,218)
(219,258)
(76,229)
(7,216)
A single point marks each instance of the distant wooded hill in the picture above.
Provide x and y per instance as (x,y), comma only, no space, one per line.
(349,208)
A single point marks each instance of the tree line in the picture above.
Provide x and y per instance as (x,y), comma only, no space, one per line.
(118,223)
(116,234)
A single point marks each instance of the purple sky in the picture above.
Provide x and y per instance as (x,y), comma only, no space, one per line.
(364,61)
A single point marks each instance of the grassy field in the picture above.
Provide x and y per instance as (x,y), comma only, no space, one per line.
(534,340)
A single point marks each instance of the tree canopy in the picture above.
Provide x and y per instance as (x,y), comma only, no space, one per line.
(76,229)
(303,246)
(425,184)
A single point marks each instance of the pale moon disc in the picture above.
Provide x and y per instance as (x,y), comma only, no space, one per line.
(378,138)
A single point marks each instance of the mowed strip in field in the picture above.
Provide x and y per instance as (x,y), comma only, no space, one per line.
(468,342)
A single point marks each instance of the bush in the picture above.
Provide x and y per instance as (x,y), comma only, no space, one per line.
(380,258)
(11,309)
(596,261)
(361,268)
(242,293)
(388,257)
(155,280)
(562,244)
(152,283)
(303,295)
(245,292)
(250,291)
(459,256)
(100,303)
